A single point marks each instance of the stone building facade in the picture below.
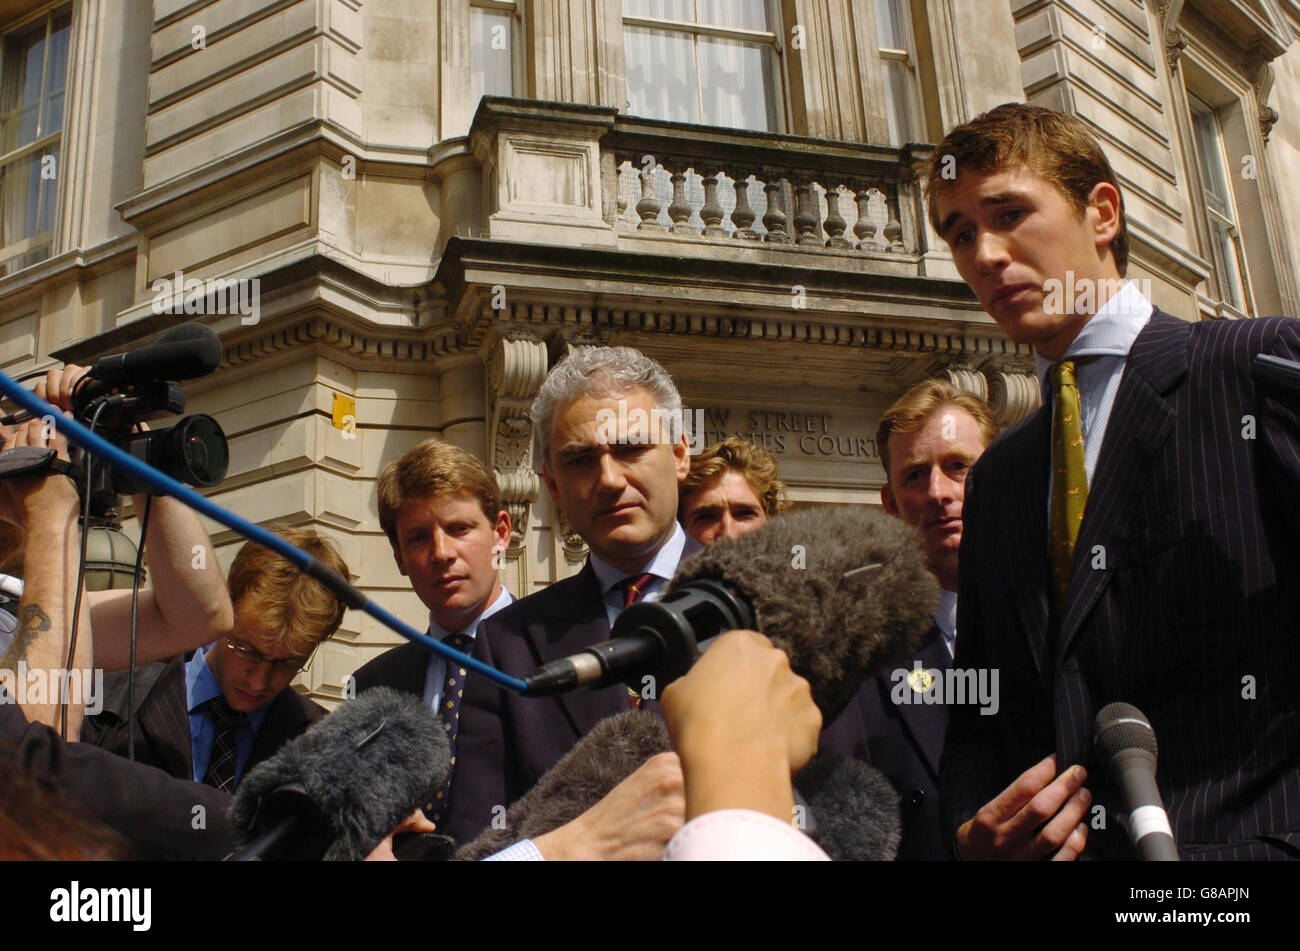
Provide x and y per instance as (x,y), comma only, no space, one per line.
(413,254)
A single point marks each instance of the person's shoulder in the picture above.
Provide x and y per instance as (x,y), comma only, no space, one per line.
(1244,337)
(298,706)
(557,598)
(381,669)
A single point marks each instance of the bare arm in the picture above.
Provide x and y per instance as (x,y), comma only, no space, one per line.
(186,604)
(46,508)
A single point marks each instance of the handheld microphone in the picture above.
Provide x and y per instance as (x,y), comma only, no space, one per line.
(1126,743)
(336,791)
(841,590)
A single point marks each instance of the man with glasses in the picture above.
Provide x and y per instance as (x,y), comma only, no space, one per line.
(212,716)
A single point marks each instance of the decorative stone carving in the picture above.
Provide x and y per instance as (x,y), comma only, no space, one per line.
(967,380)
(1175,42)
(1263,84)
(1012,395)
(515,371)
(575,549)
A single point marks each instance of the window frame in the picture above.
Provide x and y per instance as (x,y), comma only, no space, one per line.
(773,39)
(518,76)
(1205,204)
(908,57)
(19,249)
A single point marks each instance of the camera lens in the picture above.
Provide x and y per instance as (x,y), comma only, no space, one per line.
(193,451)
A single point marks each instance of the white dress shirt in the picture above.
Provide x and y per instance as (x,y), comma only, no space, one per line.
(741,835)
(436,673)
(1109,335)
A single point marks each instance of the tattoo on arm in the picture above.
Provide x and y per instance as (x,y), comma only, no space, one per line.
(32,622)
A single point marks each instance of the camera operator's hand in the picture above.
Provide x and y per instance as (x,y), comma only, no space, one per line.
(49,496)
(58,385)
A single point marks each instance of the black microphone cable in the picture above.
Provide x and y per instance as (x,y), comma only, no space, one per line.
(81,576)
(135,604)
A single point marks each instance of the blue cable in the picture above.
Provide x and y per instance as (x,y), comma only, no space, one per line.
(163,484)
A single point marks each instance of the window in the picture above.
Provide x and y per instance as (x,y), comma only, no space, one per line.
(493,43)
(33,74)
(1221,217)
(707,62)
(898,69)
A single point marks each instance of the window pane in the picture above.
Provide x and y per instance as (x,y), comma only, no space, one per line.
(1211,159)
(491,57)
(47,189)
(20,90)
(891,29)
(898,102)
(56,73)
(661,75)
(745,14)
(738,81)
(661,9)
(20,186)
(1230,274)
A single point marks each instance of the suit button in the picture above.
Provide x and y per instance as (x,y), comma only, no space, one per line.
(916,798)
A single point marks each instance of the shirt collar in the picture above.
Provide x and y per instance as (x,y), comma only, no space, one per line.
(502,600)
(201,685)
(1109,333)
(662,565)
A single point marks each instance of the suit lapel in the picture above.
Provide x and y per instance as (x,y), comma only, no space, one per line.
(928,721)
(567,628)
(1140,422)
(1022,511)
(164,721)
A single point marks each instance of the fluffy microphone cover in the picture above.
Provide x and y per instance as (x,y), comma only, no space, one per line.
(855,807)
(367,766)
(837,626)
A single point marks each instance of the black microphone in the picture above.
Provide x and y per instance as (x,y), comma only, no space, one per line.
(841,590)
(336,791)
(182,353)
(1126,743)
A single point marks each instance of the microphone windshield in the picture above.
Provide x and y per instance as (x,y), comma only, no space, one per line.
(813,582)
(1122,726)
(352,777)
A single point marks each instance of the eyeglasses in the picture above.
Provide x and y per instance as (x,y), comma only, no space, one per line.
(287,665)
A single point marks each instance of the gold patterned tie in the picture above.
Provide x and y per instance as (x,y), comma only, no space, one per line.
(1069,477)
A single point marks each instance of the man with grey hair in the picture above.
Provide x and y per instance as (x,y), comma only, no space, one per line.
(608,434)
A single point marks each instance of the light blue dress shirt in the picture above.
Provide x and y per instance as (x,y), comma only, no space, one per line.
(663,566)
(1109,335)
(435,676)
(200,687)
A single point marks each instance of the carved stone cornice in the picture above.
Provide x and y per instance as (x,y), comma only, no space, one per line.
(368,343)
(580,325)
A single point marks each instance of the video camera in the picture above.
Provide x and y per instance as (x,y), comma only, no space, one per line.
(118,393)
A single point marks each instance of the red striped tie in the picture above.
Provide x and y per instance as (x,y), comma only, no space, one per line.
(634,589)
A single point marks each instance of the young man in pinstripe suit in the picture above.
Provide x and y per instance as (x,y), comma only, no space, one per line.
(1131,541)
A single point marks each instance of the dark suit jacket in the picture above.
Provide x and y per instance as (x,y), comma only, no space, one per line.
(903,741)
(1183,601)
(152,811)
(505,742)
(162,720)
(403,668)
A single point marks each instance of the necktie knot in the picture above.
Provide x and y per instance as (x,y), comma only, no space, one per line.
(634,587)
(459,642)
(224,716)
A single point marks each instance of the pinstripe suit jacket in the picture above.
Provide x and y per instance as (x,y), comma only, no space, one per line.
(162,723)
(1184,597)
